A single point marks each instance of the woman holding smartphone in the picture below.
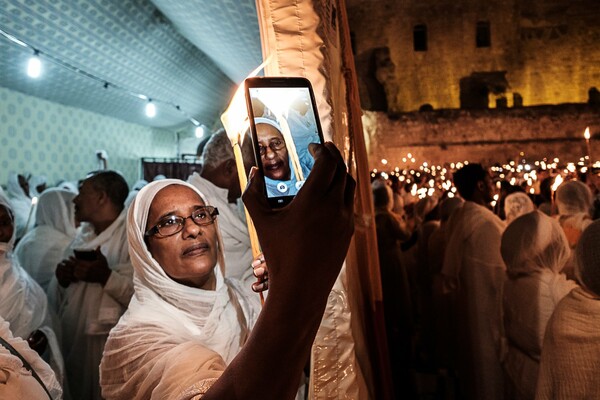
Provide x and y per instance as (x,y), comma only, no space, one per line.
(185,334)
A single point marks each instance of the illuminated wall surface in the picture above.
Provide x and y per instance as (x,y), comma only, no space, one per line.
(44,138)
(541,52)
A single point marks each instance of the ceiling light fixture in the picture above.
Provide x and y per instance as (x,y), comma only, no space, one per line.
(150,109)
(34,65)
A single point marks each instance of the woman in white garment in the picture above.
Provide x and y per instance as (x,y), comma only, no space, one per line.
(535,250)
(17,190)
(569,366)
(185,324)
(23,303)
(42,248)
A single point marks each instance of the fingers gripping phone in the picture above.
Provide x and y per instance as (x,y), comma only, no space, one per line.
(283,121)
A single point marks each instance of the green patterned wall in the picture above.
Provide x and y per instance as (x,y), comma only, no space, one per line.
(39,137)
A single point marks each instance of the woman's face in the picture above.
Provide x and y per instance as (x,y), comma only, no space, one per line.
(6,225)
(274,155)
(189,256)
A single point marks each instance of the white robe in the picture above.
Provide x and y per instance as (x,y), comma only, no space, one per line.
(24,305)
(15,381)
(570,362)
(234,231)
(474,267)
(528,304)
(174,341)
(89,310)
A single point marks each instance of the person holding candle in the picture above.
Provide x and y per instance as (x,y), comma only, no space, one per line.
(184,334)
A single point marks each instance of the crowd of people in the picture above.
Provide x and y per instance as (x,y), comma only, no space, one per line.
(114,294)
(110,292)
(488,279)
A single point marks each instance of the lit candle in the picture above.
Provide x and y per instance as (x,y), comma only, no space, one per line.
(587,137)
(557,182)
(34,201)
(235,121)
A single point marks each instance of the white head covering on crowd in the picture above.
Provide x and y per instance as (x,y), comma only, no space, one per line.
(179,315)
(517,204)
(69,186)
(43,247)
(588,257)
(20,204)
(534,242)
(573,197)
(34,182)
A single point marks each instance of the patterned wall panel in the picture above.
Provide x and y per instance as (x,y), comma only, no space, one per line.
(127,42)
(60,142)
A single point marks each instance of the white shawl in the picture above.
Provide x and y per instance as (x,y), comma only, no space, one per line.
(42,248)
(173,339)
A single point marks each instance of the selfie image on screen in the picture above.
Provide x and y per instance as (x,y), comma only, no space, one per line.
(285,126)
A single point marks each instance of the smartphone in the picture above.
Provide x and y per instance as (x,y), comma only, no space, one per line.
(85,255)
(283,122)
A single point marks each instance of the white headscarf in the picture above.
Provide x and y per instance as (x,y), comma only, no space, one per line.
(573,197)
(204,316)
(20,205)
(517,204)
(532,243)
(42,248)
(588,257)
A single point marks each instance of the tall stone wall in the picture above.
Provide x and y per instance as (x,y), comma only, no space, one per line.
(541,52)
(487,136)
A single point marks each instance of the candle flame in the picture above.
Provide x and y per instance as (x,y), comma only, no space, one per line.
(586,134)
(34,201)
(235,117)
(557,181)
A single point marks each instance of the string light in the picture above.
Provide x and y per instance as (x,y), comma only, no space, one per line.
(34,70)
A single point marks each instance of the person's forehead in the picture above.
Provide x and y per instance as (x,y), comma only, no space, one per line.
(4,212)
(268,131)
(175,196)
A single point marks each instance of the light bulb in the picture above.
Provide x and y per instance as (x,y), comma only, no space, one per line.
(150,109)
(199,131)
(34,67)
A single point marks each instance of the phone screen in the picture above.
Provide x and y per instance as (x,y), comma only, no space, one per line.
(284,121)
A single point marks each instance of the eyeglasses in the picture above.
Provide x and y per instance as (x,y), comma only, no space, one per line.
(173,224)
(274,145)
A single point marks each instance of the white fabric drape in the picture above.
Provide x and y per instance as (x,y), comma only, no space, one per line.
(174,340)
(234,231)
(42,248)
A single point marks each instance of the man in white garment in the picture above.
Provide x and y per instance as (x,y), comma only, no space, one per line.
(94,286)
(218,181)
(473,273)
